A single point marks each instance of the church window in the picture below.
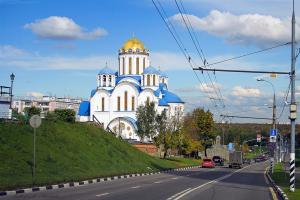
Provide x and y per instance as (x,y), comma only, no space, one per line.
(129,50)
(163,80)
(125,100)
(109,80)
(119,103)
(144,63)
(138,50)
(130,65)
(137,65)
(154,80)
(148,100)
(123,65)
(148,79)
(132,103)
(102,104)
(104,80)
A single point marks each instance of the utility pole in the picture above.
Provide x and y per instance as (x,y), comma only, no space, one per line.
(293,106)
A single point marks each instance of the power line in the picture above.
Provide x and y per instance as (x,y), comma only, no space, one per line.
(247,54)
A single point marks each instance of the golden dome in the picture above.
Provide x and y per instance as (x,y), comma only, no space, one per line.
(133,44)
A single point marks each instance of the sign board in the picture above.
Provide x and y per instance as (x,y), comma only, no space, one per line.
(258,137)
(273,132)
(35,121)
(272,138)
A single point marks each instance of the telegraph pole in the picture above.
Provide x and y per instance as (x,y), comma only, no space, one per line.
(293,106)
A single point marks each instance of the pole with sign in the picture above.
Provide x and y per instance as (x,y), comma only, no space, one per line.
(35,122)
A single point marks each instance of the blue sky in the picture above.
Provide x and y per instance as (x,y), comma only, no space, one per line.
(52,61)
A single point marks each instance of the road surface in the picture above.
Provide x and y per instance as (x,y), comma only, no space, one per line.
(215,184)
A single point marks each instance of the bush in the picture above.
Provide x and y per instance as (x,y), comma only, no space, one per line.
(66,115)
(30,111)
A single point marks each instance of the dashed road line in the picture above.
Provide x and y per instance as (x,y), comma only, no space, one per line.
(103,194)
(135,187)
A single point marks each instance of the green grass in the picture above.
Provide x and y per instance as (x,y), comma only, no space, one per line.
(70,152)
(282,179)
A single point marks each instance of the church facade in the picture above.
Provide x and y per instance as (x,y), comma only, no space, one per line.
(114,101)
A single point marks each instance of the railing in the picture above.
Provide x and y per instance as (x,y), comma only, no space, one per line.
(95,119)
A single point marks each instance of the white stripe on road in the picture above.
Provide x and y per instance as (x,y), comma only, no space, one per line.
(177,194)
(100,195)
(184,193)
(134,187)
(158,182)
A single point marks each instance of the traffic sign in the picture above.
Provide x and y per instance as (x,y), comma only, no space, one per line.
(272,138)
(273,132)
(35,121)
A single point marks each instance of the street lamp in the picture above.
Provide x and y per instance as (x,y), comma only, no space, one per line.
(12,78)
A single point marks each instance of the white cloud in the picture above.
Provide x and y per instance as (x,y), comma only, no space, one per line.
(34,94)
(209,87)
(56,27)
(255,29)
(9,51)
(245,92)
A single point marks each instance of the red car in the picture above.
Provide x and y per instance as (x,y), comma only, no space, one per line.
(207,162)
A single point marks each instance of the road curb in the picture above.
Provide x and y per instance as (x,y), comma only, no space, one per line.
(279,191)
(86,182)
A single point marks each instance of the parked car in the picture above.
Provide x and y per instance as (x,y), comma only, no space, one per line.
(247,161)
(218,160)
(260,158)
(208,163)
(235,159)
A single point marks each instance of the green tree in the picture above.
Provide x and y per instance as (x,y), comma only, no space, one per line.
(204,127)
(161,128)
(30,111)
(66,115)
(146,123)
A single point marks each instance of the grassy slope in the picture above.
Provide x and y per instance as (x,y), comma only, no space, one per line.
(69,152)
(282,179)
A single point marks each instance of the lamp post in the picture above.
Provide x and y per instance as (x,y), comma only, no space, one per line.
(12,78)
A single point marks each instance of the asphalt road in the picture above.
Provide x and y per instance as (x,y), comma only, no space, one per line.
(219,183)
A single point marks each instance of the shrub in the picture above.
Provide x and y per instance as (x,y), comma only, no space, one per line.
(66,115)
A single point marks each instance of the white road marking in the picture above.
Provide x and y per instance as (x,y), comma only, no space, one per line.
(158,182)
(184,193)
(103,194)
(134,187)
(174,178)
(177,194)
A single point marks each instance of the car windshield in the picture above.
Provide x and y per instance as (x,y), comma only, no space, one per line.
(207,160)
(216,157)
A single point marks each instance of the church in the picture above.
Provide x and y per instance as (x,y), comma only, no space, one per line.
(113,103)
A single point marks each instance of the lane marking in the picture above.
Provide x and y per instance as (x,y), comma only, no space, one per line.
(134,187)
(158,182)
(211,182)
(103,194)
(177,194)
(174,178)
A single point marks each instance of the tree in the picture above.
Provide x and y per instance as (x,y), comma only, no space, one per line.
(146,120)
(204,127)
(66,115)
(161,128)
(30,111)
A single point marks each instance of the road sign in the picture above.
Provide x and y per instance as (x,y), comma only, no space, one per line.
(35,121)
(258,137)
(273,139)
(273,132)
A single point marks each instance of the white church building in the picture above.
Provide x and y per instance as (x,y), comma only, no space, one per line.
(114,101)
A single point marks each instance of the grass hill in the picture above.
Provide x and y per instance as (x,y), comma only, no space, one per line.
(69,152)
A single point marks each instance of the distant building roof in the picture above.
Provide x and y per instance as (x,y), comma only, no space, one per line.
(84,108)
(151,70)
(107,71)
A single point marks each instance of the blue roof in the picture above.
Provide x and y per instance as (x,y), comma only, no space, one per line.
(107,71)
(163,74)
(93,92)
(162,102)
(151,70)
(170,97)
(84,108)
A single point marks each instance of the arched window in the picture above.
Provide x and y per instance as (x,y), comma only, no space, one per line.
(148,100)
(144,63)
(154,80)
(125,100)
(148,79)
(130,65)
(137,65)
(109,80)
(163,80)
(123,65)
(119,104)
(102,104)
(132,103)
(104,80)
